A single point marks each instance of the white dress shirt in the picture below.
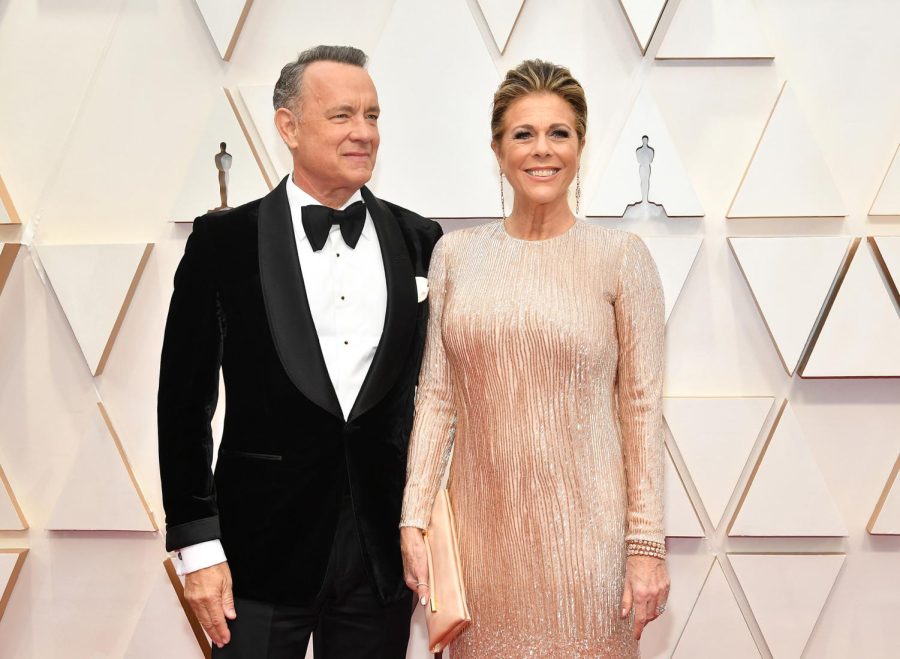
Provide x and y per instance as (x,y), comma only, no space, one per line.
(347,294)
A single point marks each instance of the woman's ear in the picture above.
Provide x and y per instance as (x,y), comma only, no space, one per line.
(495,147)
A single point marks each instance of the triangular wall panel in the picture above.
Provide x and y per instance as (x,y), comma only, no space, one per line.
(200,188)
(8,213)
(257,100)
(681,518)
(643,17)
(887,199)
(787,175)
(715,437)
(715,29)
(885,518)
(11,516)
(501,16)
(790,278)
(102,493)
(787,494)
(860,336)
(11,562)
(674,257)
(464,180)
(687,573)
(620,186)
(224,20)
(94,285)
(717,627)
(787,593)
(167,626)
(887,251)
(8,253)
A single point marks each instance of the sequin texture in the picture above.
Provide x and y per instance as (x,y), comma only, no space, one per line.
(543,378)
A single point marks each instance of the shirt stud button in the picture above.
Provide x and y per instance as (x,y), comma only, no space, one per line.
(346,343)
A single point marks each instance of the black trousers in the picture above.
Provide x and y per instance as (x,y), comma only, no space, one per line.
(346,620)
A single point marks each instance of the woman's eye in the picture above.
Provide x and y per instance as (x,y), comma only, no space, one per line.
(563,134)
(521,135)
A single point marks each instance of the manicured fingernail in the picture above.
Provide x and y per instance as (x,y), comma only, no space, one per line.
(423,601)
(624,612)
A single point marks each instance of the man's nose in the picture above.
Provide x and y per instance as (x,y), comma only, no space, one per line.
(363,130)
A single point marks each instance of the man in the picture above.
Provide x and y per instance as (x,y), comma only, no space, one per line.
(312,301)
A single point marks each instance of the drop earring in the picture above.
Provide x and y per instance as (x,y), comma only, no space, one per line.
(578,191)
(502,200)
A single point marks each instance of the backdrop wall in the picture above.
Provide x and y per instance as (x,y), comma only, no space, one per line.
(782,442)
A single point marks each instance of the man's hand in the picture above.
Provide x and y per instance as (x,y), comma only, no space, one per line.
(208,591)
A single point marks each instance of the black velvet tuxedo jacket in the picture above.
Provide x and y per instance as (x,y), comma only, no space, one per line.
(287,454)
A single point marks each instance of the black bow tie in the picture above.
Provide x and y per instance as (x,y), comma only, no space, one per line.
(318,220)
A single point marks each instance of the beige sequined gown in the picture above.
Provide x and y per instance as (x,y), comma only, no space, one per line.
(543,374)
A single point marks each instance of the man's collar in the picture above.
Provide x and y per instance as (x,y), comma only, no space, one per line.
(298,198)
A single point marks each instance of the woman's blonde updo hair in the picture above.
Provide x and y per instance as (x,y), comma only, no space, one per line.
(536,76)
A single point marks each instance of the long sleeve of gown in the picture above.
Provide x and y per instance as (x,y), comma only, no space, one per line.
(431,440)
(640,326)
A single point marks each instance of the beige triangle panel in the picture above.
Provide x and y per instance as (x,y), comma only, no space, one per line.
(501,16)
(787,593)
(687,572)
(8,253)
(8,213)
(241,170)
(886,250)
(94,285)
(102,492)
(11,562)
(224,19)
(681,517)
(787,175)
(11,516)
(887,199)
(787,495)
(716,627)
(715,29)
(643,17)
(885,518)
(674,257)
(449,48)
(860,333)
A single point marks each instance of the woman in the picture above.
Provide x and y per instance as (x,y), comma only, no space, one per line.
(543,372)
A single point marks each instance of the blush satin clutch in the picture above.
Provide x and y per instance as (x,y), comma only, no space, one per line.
(447,614)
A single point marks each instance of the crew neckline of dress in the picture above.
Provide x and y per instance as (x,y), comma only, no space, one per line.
(542,241)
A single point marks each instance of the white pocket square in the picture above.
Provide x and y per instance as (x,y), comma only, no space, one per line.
(421,288)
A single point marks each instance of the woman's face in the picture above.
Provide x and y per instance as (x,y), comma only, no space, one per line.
(539,149)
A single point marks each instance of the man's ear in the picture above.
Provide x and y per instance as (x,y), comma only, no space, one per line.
(286,123)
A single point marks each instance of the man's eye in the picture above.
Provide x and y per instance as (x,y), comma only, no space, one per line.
(373,117)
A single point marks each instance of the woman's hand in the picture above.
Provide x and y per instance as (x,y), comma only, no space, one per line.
(646,590)
(415,563)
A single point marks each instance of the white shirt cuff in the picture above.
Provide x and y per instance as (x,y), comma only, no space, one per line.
(197,557)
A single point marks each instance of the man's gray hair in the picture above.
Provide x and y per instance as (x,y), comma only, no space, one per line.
(288,87)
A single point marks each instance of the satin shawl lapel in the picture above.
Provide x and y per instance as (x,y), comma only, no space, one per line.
(399,322)
(287,306)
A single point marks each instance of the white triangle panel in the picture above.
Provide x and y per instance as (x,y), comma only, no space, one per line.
(501,16)
(200,188)
(887,200)
(11,516)
(715,437)
(463,180)
(861,333)
(94,285)
(257,99)
(681,518)
(8,253)
(224,20)
(787,175)
(717,627)
(8,213)
(787,496)
(790,278)
(715,29)
(674,258)
(787,593)
(620,185)
(888,248)
(101,493)
(886,516)
(164,629)
(643,16)
(11,561)
(687,572)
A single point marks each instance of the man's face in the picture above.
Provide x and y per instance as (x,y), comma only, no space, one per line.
(334,140)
